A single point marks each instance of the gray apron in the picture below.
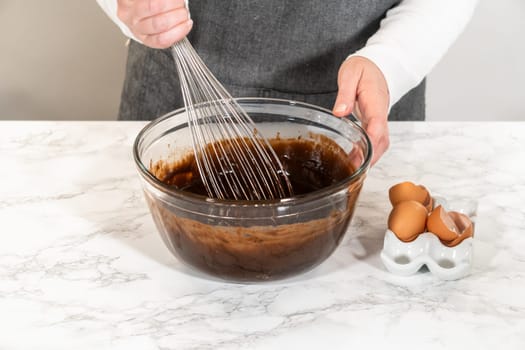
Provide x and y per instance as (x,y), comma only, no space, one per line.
(289,49)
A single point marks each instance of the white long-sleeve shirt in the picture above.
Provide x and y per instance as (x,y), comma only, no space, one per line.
(412,38)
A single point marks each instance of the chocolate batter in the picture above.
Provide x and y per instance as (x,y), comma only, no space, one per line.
(274,247)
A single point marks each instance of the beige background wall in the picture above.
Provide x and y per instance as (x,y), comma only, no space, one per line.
(63,59)
(482,77)
(60,59)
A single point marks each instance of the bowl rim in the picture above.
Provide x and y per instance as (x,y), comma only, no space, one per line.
(308,197)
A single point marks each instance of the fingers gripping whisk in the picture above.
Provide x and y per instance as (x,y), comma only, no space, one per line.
(234,160)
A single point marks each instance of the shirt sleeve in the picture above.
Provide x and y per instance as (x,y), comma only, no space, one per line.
(412,38)
(110,8)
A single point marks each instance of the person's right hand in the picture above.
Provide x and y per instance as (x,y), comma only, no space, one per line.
(157,23)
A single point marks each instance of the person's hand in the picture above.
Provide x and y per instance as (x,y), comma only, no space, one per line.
(157,23)
(364,91)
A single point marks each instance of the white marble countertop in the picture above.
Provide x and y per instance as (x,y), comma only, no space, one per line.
(82,266)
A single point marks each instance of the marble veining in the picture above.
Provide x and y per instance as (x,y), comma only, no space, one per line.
(82,266)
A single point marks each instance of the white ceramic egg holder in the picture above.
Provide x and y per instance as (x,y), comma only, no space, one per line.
(447,263)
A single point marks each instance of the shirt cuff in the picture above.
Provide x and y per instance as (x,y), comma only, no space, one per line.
(110,8)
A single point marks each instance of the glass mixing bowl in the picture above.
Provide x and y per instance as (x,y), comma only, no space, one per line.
(257,240)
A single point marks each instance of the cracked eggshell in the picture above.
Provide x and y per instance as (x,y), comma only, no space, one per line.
(407,220)
(451,227)
(465,228)
(442,225)
(406,191)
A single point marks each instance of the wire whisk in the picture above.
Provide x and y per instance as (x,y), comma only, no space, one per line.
(234,159)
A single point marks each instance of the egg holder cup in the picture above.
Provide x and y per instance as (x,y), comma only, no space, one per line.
(446,263)
(407,258)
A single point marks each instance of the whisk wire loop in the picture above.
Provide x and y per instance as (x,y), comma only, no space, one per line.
(234,159)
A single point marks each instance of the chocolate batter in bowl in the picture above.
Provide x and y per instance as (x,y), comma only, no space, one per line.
(327,160)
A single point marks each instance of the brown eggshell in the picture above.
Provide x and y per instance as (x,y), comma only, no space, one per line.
(407,220)
(406,191)
(441,224)
(464,225)
(429,202)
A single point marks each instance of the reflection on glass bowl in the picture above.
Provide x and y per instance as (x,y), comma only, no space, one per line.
(259,240)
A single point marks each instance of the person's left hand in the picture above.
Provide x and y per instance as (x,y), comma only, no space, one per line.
(364,91)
